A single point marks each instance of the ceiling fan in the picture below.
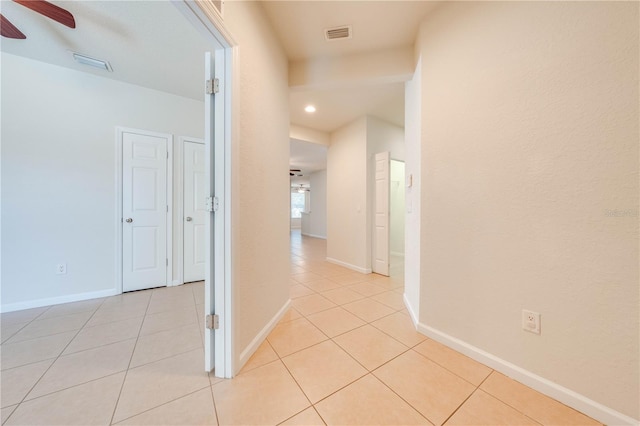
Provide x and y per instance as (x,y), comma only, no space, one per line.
(295,172)
(50,10)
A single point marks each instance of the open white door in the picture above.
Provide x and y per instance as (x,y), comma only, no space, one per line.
(194,214)
(381,233)
(209,224)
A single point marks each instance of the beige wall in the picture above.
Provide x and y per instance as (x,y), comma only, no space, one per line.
(347,195)
(260,187)
(412,129)
(530,187)
(350,183)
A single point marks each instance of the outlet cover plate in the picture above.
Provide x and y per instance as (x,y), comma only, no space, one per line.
(531,321)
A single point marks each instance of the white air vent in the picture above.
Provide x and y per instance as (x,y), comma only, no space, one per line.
(338,33)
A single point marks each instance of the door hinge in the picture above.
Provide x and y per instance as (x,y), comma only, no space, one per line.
(213,322)
(213,86)
(212,204)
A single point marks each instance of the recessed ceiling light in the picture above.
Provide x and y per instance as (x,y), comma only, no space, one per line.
(92,62)
(310,108)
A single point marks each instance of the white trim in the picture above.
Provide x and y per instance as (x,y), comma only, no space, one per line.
(262,335)
(208,21)
(568,397)
(349,266)
(118,191)
(38,303)
(412,314)
(322,237)
(397,253)
(176,283)
(180,202)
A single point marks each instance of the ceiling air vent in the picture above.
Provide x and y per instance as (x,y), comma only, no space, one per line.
(338,33)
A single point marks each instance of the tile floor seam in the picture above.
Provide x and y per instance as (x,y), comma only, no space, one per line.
(318,413)
(507,404)
(297,384)
(341,388)
(40,337)
(115,407)
(25,365)
(402,398)
(51,365)
(14,333)
(451,371)
(95,347)
(459,406)
(71,387)
(215,406)
(391,335)
(356,360)
(164,403)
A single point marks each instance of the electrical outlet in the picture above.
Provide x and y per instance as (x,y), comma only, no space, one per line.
(61,269)
(531,321)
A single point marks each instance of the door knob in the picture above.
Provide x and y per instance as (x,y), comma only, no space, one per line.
(128,220)
(189,219)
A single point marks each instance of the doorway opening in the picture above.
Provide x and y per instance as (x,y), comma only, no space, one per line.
(396,218)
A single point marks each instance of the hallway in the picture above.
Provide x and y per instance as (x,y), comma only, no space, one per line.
(346,352)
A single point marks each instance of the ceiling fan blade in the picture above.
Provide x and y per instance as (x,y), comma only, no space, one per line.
(9,30)
(50,10)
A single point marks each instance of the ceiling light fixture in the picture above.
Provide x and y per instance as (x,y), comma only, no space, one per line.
(92,62)
(310,108)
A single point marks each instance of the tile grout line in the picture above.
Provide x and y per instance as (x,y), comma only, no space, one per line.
(54,361)
(115,407)
(165,403)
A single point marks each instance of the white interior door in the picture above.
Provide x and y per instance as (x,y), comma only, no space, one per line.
(194,211)
(381,234)
(144,210)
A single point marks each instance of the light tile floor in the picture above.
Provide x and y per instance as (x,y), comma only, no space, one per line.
(345,353)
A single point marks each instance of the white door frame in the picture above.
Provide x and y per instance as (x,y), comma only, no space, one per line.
(206,18)
(119,218)
(179,173)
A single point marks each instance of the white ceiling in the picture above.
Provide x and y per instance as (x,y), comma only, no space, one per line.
(376,25)
(337,107)
(148,43)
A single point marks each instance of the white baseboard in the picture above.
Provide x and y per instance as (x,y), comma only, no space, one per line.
(568,397)
(175,283)
(260,337)
(322,237)
(349,266)
(412,314)
(37,303)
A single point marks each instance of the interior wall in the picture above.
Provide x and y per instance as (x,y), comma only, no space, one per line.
(381,137)
(413,200)
(347,196)
(396,208)
(318,204)
(529,130)
(58,175)
(260,187)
